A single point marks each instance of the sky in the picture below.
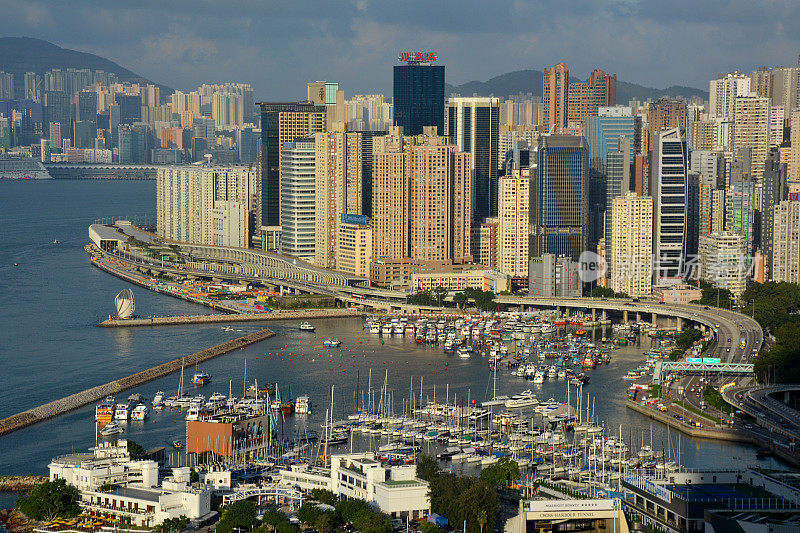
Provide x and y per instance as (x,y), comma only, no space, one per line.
(278,46)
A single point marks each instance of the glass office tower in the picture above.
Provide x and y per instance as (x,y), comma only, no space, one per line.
(419,97)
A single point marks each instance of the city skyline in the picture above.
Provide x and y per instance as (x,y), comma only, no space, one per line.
(188,44)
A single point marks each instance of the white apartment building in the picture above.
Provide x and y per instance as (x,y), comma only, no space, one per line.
(723,91)
(724,261)
(186,196)
(394,490)
(785,258)
(632,245)
(298,199)
(230,225)
(137,498)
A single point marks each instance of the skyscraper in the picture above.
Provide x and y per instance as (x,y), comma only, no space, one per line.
(724,262)
(420,200)
(668,182)
(419,95)
(774,191)
(555,98)
(666,113)
(560,197)
(751,130)
(740,211)
(339,183)
(513,222)
(298,202)
(472,125)
(723,91)
(130,108)
(584,99)
(282,123)
(618,183)
(786,245)
(631,244)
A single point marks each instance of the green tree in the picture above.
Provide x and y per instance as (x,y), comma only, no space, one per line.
(349,509)
(171,525)
(428,527)
(136,450)
(324,496)
(687,338)
(781,363)
(240,514)
(308,513)
(49,500)
(501,473)
(460,299)
(439,292)
(368,521)
(427,467)
(323,523)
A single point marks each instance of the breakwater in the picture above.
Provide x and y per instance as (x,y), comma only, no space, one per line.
(221,319)
(79,399)
(703,433)
(20,483)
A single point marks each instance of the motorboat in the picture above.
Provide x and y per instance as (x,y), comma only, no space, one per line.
(305,326)
(122,411)
(158,399)
(112,428)
(331,343)
(523,399)
(200,378)
(140,412)
(302,405)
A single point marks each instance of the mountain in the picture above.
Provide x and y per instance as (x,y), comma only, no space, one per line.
(19,55)
(530,81)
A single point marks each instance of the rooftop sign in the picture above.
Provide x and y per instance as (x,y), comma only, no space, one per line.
(417,57)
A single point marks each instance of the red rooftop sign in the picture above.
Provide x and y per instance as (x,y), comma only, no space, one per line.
(417,56)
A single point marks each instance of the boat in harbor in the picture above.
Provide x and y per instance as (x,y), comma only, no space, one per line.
(158,400)
(331,343)
(523,399)
(122,411)
(112,428)
(200,378)
(177,444)
(140,412)
(104,412)
(305,326)
(302,405)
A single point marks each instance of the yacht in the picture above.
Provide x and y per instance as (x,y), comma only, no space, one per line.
(305,326)
(104,412)
(112,428)
(140,412)
(523,399)
(463,353)
(302,405)
(158,399)
(122,411)
(200,378)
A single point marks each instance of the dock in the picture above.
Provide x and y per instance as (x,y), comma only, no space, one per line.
(223,319)
(94,394)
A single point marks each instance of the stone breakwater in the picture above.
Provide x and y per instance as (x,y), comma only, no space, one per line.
(221,319)
(20,483)
(79,399)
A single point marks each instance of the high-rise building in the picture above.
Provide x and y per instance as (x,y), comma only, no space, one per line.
(6,85)
(724,261)
(484,242)
(187,196)
(786,243)
(369,112)
(87,106)
(282,123)
(420,200)
(777,118)
(631,249)
(555,98)
(774,191)
(33,86)
(298,201)
(513,222)
(793,167)
(666,113)
(247,141)
(761,82)
(740,211)
(472,125)
(354,245)
(419,96)
(130,108)
(560,197)
(602,133)
(718,210)
(134,143)
(723,92)
(57,108)
(328,94)
(584,99)
(552,276)
(751,130)
(339,183)
(668,189)
(786,88)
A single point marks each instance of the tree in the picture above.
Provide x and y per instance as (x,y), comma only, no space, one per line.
(427,527)
(136,451)
(349,509)
(460,299)
(368,521)
(501,473)
(781,363)
(427,467)
(687,338)
(482,518)
(194,476)
(323,523)
(172,525)
(324,496)
(239,514)
(49,500)
(439,292)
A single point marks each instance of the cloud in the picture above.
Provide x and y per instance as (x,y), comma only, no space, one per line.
(278,46)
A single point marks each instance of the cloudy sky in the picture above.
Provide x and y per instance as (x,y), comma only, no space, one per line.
(277,46)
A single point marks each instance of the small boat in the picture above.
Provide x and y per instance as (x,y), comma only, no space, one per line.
(56,241)
(305,326)
(177,444)
(158,399)
(122,411)
(201,378)
(112,428)
(331,343)
(302,405)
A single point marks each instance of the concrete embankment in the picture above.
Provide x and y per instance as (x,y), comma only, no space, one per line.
(219,319)
(702,433)
(79,399)
(20,483)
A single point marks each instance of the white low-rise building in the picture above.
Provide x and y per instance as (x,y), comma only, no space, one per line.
(394,490)
(112,484)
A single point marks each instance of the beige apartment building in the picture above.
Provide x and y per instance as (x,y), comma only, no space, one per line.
(724,261)
(751,130)
(513,223)
(354,249)
(421,195)
(785,260)
(484,242)
(631,247)
(339,184)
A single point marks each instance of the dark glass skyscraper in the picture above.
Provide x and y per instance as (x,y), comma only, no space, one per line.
(419,97)
(560,197)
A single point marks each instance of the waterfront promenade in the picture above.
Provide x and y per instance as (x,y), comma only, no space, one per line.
(94,394)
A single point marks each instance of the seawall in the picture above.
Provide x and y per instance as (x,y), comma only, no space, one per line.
(220,319)
(79,399)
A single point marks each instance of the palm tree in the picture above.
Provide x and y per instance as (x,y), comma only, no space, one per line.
(482,518)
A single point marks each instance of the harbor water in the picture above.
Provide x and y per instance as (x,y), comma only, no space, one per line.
(51,302)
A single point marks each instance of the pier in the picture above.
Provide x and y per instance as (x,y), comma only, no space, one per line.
(222,319)
(79,399)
